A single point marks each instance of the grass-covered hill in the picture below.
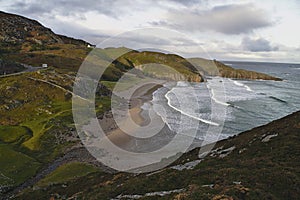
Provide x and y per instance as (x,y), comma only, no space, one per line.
(216,68)
(36,124)
(262,163)
(27,41)
(153,64)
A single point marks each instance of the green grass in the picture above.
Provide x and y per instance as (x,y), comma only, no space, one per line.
(102,104)
(115,52)
(109,84)
(216,68)
(15,167)
(10,134)
(38,128)
(67,172)
(266,171)
(125,83)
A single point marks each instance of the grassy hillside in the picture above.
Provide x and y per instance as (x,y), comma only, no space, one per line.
(216,68)
(26,41)
(36,124)
(262,163)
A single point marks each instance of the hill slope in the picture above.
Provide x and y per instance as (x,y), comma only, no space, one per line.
(216,68)
(26,41)
(15,29)
(262,163)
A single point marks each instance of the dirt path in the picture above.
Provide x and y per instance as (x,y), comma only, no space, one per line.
(29,68)
(58,86)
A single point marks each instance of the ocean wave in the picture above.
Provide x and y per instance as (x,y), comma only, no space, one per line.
(216,100)
(182,84)
(213,96)
(187,114)
(242,85)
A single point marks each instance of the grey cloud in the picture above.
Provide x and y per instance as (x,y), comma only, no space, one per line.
(160,23)
(150,38)
(228,19)
(139,39)
(69,7)
(185,41)
(31,9)
(186,2)
(257,45)
(112,8)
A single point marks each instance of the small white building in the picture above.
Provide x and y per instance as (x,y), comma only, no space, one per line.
(91,46)
(44,65)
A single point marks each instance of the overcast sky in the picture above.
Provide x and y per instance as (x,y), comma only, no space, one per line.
(262,30)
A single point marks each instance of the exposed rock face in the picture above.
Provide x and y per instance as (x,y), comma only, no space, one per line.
(17,29)
(179,77)
(229,72)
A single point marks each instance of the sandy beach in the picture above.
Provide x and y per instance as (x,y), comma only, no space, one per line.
(139,97)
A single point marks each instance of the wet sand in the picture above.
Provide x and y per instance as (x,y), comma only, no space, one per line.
(139,97)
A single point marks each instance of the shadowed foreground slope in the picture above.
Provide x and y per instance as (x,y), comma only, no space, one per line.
(262,163)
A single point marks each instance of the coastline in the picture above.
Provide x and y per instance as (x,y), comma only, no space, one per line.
(109,126)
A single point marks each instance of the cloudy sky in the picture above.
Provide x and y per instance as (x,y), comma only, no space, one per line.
(254,30)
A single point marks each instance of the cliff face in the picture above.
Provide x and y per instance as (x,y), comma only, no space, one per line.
(216,68)
(162,66)
(229,72)
(158,71)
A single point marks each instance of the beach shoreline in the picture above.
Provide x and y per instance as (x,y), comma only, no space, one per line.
(142,95)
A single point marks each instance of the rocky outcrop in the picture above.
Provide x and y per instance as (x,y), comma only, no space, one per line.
(17,29)
(178,77)
(229,72)
(216,68)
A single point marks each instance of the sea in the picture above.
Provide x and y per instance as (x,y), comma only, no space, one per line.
(232,105)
